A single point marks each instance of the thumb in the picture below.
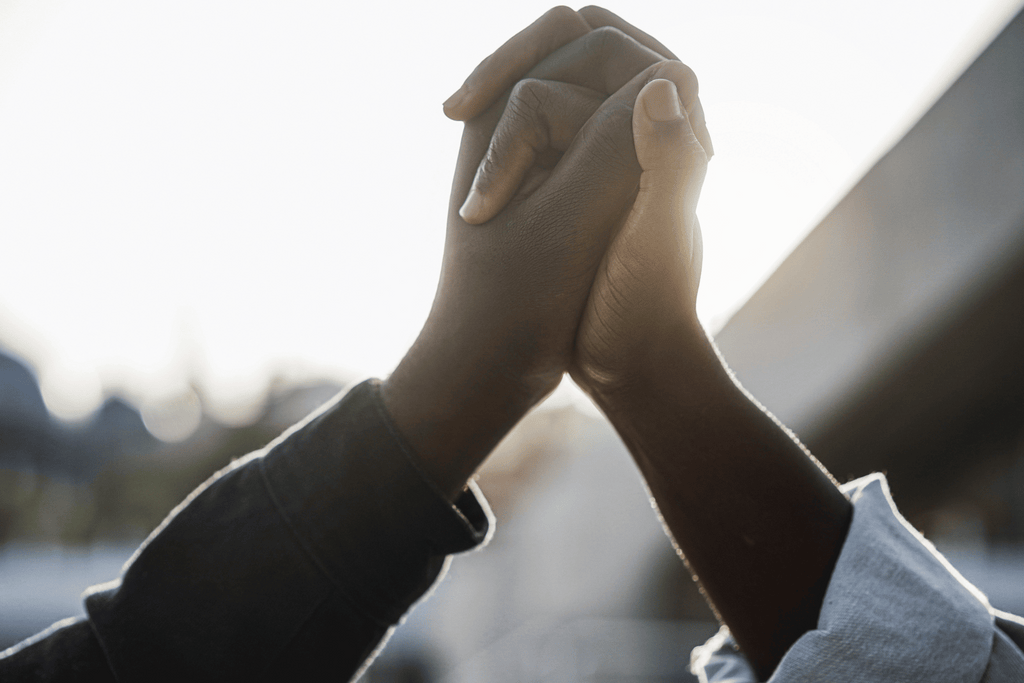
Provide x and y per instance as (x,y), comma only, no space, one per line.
(673,164)
(671,156)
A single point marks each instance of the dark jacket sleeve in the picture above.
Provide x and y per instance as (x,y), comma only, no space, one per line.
(292,563)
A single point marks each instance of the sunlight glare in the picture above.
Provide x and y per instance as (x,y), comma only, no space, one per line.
(214,193)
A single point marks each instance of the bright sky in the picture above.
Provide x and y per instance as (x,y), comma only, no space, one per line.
(227,189)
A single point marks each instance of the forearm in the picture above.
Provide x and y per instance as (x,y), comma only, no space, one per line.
(758,520)
(453,405)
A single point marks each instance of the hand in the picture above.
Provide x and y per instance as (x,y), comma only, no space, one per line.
(607,55)
(514,284)
(542,117)
(629,301)
(644,295)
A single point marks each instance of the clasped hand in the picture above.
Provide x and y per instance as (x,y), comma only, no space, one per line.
(572,239)
(573,245)
(579,256)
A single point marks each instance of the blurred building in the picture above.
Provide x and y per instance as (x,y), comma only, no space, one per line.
(32,440)
(892,338)
(27,438)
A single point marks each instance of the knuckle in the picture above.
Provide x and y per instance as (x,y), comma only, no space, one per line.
(680,74)
(561,15)
(529,95)
(614,116)
(525,113)
(608,39)
(558,26)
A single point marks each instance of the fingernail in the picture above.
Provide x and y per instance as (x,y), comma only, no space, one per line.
(471,207)
(455,100)
(661,102)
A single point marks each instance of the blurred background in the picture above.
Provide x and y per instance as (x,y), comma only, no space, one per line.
(215,215)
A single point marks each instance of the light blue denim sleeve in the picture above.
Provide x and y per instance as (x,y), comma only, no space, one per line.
(895,610)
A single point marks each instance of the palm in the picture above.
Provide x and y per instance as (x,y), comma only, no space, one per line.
(646,285)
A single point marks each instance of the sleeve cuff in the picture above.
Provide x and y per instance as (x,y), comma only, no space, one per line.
(368,493)
(895,610)
(315,545)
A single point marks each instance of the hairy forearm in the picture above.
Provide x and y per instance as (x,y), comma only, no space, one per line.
(759,522)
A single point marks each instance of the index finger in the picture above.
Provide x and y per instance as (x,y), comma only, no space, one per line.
(556,28)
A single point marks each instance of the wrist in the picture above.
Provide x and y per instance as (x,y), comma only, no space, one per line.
(669,353)
(734,488)
(453,405)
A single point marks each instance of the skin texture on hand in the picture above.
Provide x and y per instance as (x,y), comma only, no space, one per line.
(648,279)
(514,283)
